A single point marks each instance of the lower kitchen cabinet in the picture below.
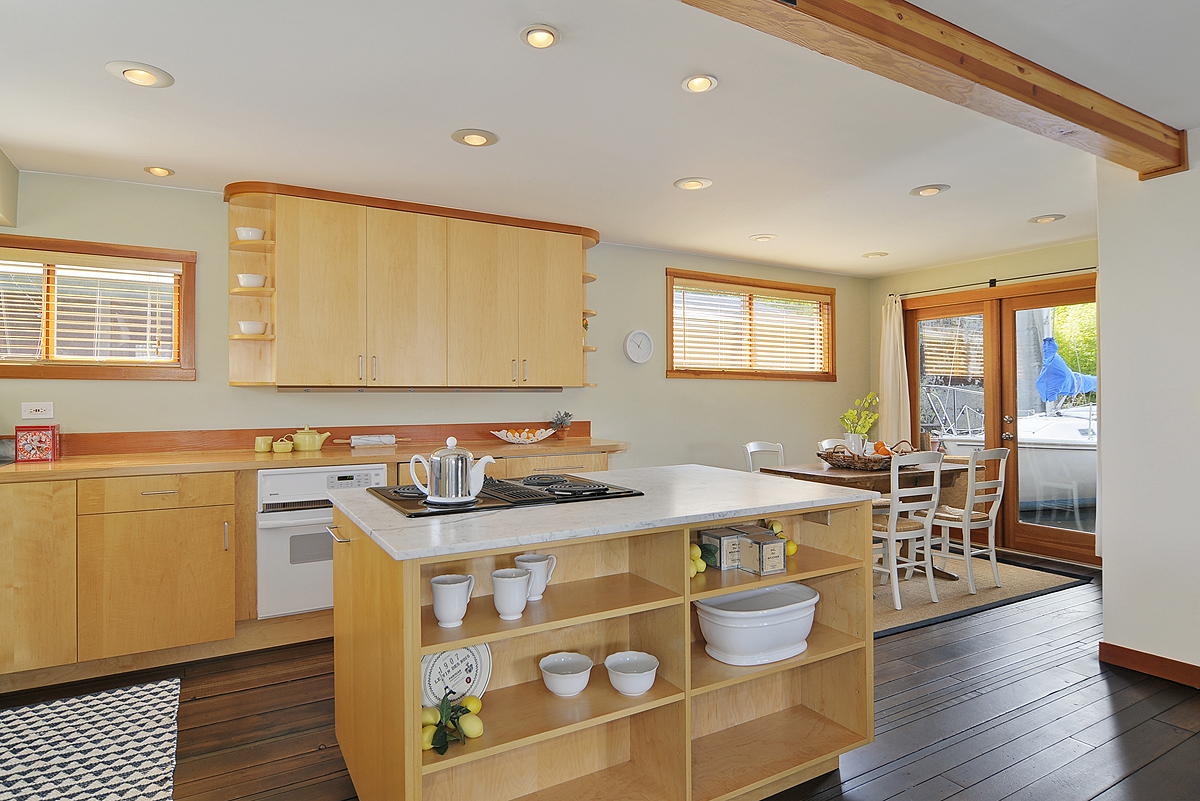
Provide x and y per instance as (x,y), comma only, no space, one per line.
(37,574)
(154,579)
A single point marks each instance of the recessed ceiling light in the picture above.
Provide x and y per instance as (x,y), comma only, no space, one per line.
(539,36)
(1048,218)
(929,190)
(699,83)
(763,237)
(878,254)
(474,137)
(140,74)
(693,183)
(161,172)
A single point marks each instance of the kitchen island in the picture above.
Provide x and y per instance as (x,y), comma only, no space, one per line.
(706,731)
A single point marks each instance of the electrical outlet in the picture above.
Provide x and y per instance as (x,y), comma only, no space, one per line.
(37,411)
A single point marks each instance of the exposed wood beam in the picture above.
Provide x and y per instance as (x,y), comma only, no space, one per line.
(906,44)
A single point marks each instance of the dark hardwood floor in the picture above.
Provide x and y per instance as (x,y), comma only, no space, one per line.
(1006,704)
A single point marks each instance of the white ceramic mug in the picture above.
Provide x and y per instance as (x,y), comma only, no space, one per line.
(451,594)
(510,591)
(541,568)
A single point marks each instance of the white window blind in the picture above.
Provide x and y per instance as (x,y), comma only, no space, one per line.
(952,347)
(741,329)
(52,313)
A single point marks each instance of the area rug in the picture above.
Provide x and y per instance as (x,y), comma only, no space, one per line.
(954,601)
(116,744)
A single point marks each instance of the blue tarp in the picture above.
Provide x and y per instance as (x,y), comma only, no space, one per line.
(1056,378)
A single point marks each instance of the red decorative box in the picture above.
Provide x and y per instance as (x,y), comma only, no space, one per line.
(38,443)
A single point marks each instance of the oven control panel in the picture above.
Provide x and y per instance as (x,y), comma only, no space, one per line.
(350,480)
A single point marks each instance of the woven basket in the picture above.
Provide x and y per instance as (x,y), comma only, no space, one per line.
(838,456)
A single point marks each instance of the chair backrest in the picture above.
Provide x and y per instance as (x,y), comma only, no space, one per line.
(912,499)
(990,491)
(827,444)
(759,447)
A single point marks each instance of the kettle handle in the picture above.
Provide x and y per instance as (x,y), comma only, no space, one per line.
(412,469)
(477,474)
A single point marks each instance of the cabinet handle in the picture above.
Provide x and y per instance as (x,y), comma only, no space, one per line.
(227,535)
(514,369)
(374,369)
(336,538)
(360,368)
(525,363)
(557,469)
(161,492)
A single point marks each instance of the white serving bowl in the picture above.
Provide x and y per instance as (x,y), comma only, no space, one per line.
(631,672)
(758,626)
(250,279)
(250,233)
(255,327)
(565,673)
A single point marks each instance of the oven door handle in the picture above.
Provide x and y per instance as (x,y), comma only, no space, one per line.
(314,521)
(336,538)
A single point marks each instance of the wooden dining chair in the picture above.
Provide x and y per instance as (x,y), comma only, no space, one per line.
(889,530)
(980,506)
(762,447)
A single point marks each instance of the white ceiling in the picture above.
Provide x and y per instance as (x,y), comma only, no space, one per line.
(362,97)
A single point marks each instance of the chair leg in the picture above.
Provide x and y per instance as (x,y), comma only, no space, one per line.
(967,558)
(929,567)
(992,552)
(894,575)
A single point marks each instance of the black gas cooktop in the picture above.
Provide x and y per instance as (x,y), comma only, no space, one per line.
(505,494)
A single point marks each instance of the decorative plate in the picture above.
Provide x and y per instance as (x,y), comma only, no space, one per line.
(463,671)
(524,436)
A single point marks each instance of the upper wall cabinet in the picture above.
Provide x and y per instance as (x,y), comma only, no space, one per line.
(370,292)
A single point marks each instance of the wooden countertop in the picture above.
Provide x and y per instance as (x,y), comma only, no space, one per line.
(210,461)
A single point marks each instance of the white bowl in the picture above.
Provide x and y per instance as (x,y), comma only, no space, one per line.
(250,279)
(252,327)
(758,626)
(250,233)
(631,672)
(565,673)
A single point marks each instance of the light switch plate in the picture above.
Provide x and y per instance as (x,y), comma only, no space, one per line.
(37,411)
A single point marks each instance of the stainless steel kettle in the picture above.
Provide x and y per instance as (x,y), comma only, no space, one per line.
(453,474)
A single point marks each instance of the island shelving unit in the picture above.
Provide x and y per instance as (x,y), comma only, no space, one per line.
(706,731)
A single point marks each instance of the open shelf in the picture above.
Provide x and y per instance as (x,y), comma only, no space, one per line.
(807,562)
(626,781)
(253,245)
(726,762)
(566,604)
(588,278)
(589,312)
(255,337)
(823,642)
(525,713)
(252,291)
(589,348)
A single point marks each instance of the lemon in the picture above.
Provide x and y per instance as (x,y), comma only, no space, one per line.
(700,565)
(775,526)
(471,725)
(694,551)
(691,568)
(472,703)
(430,716)
(781,535)
(791,548)
(427,737)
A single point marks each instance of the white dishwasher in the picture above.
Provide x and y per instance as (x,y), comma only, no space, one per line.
(295,549)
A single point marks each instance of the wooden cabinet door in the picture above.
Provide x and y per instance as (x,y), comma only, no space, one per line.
(551,309)
(320,294)
(151,580)
(37,575)
(406,302)
(482,304)
(521,466)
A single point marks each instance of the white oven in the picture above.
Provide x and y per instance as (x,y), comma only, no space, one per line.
(295,550)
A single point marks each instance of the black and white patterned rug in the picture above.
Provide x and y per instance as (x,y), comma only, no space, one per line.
(117,744)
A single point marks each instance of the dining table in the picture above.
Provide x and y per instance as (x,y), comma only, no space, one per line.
(878,480)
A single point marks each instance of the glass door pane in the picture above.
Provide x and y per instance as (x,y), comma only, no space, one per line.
(1056,419)
(951,383)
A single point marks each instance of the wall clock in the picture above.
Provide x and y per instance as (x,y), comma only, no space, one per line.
(639,347)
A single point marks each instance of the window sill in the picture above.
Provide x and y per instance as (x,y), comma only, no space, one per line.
(98,372)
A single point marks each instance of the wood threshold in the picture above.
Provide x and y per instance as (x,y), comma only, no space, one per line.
(906,44)
(590,237)
(1151,664)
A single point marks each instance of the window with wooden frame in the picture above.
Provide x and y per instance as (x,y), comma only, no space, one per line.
(722,326)
(90,310)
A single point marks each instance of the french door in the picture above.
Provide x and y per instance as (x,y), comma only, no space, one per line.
(1015,366)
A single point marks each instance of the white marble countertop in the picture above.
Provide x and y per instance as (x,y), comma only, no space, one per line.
(676,495)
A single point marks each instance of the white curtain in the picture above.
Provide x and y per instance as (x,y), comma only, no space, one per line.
(895,422)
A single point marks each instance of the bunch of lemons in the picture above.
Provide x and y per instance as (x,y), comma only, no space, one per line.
(696,563)
(777,527)
(461,721)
